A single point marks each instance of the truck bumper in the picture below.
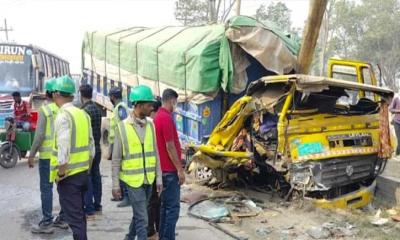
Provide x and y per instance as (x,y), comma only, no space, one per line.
(357,199)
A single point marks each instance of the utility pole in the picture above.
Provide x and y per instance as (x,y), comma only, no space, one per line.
(310,35)
(5,29)
(238,4)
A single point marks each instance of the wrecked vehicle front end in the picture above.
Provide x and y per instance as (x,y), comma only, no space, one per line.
(305,136)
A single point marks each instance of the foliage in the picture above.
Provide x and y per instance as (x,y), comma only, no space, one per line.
(199,12)
(191,12)
(276,12)
(367,30)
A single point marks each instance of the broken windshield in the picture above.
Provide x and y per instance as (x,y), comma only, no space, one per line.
(335,101)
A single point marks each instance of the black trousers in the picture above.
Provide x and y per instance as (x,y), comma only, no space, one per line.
(153,211)
(71,191)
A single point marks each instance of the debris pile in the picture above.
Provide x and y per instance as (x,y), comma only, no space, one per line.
(332,230)
(216,209)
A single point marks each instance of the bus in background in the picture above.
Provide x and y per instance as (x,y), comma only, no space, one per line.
(24,68)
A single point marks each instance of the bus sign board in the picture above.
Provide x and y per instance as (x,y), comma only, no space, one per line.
(14,53)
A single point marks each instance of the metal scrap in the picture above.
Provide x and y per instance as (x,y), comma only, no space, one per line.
(215,208)
(330,229)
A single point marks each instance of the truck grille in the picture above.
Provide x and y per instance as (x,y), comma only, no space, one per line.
(342,171)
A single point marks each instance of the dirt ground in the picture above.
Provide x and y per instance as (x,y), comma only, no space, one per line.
(278,220)
(301,220)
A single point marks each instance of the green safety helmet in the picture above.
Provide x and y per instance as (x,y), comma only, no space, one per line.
(48,85)
(64,84)
(141,93)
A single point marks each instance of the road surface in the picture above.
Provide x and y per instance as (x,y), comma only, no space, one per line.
(20,209)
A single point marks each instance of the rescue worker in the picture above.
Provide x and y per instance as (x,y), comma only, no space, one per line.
(42,142)
(73,151)
(135,160)
(120,112)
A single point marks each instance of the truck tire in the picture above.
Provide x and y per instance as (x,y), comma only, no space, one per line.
(7,159)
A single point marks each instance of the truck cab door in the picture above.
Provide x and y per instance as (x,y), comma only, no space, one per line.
(355,71)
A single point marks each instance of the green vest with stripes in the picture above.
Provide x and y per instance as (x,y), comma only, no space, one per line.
(50,112)
(114,120)
(79,155)
(138,159)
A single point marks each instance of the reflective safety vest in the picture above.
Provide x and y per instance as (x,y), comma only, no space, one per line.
(114,120)
(138,159)
(79,149)
(50,112)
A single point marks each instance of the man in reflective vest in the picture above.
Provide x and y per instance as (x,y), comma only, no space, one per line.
(43,143)
(120,112)
(135,160)
(73,151)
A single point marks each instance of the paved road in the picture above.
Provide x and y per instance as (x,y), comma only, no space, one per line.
(20,209)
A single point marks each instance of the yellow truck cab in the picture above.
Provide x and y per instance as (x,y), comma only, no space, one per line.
(354,71)
(313,136)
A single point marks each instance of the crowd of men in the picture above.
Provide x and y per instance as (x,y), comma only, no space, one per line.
(145,156)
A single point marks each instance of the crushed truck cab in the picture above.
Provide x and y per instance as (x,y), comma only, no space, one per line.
(316,136)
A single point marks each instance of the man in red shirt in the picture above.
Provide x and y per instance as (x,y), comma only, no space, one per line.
(173,174)
(21,111)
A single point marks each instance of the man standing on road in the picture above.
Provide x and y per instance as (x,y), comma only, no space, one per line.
(153,208)
(120,112)
(43,142)
(73,151)
(173,174)
(93,195)
(135,160)
(394,108)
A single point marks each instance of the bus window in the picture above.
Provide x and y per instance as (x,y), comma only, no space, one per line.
(49,67)
(98,84)
(91,78)
(57,66)
(63,70)
(43,64)
(53,66)
(124,92)
(128,92)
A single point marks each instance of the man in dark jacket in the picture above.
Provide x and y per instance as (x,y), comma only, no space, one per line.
(93,195)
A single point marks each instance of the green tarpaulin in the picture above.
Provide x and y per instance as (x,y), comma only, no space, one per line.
(196,59)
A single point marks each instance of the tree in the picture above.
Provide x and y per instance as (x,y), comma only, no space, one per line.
(368,30)
(380,38)
(199,12)
(191,12)
(276,12)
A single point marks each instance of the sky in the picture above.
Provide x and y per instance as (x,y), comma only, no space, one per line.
(59,25)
